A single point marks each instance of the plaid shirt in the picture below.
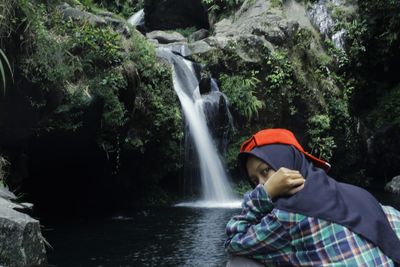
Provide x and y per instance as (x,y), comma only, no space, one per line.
(280,238)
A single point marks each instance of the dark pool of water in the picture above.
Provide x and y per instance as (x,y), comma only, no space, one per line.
(149,237)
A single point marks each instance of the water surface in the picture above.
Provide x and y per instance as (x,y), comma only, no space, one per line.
(176,236)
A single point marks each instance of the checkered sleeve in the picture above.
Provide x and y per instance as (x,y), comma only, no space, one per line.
(393,216)
(256,232)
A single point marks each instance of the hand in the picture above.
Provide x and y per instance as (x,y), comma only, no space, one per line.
(284,182)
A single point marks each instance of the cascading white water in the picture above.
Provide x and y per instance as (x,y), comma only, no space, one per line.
(216,189)
(137,18)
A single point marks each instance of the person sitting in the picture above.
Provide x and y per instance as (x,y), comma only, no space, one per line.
(297,215)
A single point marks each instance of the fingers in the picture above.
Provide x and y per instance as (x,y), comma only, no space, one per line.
(296,189)
(297,181)
(288,170)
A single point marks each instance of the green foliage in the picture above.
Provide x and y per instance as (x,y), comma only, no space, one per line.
(186,32)
(4,62)
(281,72)
(106,87)
(222,6)
(233,149)
(387,110)
(240,91)
(126,8)
(158,118)
(49,64)
(373,52)
(375,14)
(321,143)
(98,47)
(241,188)
(280,90)
(276,3)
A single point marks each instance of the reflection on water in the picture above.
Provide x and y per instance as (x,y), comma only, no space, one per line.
(154,237)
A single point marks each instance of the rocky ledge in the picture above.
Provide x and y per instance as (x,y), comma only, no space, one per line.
(21,241)
(394,185)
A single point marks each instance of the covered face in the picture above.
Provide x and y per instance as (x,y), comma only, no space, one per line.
(258,171)
(277,148)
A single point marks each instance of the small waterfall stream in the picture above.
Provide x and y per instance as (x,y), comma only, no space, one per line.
(137,18)
(216,188)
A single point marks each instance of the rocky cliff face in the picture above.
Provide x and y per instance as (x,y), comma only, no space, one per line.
(103,99)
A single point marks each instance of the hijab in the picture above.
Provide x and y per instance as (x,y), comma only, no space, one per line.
(325,198)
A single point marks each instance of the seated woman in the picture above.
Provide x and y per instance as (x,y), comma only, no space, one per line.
(297,215)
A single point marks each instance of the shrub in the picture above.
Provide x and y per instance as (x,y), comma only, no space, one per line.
(321,143)
(240,91)
(280,90)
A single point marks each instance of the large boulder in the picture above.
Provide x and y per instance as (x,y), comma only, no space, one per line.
(166,37)
(102,18)
(22,243)
(261,19)
(76,14)
(199,35)
(173,14)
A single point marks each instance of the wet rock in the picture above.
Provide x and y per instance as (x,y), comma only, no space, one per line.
(223,27)
(166,37)
(22,243)
(218,41)
(179,48)
(6,194)
(252,48)
(199,35)
(205,84)
(200,47)
(394,185)
(321,18)
(174,14)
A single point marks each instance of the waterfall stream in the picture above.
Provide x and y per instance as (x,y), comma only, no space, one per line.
(216,188)
(137,18)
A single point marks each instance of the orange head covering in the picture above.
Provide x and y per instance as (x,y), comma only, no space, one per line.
(280,136)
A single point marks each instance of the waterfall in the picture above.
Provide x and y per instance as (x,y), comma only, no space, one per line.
(137,18)
(215,184)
